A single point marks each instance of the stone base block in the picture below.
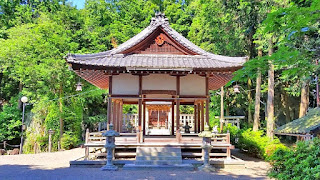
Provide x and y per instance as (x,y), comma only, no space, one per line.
(187,167)
(109,168)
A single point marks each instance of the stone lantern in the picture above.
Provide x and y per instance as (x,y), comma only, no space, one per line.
(206,146)
(110,146)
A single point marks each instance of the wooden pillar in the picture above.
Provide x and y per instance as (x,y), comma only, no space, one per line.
(121,116)
(207,111)
(195,117)
(221,110)
(109,110)
(140,110)
(172,119)
(114,115)
(144,119)
(178,135)
(207,101)
(202,116)
(199,117)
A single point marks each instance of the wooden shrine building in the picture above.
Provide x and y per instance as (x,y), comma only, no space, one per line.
(159,70)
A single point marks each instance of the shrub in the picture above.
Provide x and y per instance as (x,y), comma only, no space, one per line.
(69,140)
(234,133)
(256,143)
(302,162)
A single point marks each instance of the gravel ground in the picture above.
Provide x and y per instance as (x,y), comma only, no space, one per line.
(56,166)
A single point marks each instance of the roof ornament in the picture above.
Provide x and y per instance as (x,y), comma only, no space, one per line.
(159,19)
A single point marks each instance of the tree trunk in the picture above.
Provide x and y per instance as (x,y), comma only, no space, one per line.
(270,101)
(250,118)
(256,120)
(285,104)
(304,103)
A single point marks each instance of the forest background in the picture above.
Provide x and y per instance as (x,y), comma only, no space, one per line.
(277,84)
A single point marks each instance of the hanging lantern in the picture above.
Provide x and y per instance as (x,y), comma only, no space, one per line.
(236,89)
(79,86)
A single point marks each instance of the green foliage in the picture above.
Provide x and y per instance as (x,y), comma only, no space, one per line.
(257,143)
(302,162)
(213,121)
(130,109)
(69,140)
(10,120)
(234,131)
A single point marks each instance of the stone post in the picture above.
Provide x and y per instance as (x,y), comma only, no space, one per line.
(110,146)
(50,142)
(206,146)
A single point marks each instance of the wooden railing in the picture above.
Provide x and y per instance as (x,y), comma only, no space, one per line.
(94,142)
(222,141)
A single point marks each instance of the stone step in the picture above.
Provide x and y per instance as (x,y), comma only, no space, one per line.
(157,162)
(186,167)
(159,154)
(168,158)
(158,149)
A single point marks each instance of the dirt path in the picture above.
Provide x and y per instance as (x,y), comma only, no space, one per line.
(56,166)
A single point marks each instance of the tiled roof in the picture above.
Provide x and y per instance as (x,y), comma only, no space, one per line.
(302,125)
(157,61)
(113,58)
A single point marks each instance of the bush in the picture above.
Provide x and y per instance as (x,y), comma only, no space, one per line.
(69,140)
(234,133)
(256,143)
(302,162)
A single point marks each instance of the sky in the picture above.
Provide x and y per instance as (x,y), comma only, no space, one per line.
(78,3)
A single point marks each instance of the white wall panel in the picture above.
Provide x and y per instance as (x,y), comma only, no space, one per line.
(159,82)
(193,84)
(125,84)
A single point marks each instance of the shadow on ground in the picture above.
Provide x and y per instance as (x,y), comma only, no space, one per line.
(36,172)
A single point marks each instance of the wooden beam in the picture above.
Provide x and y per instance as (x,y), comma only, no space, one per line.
(170,92)
(125,95)
(192,96)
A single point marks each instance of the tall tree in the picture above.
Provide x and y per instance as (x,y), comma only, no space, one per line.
(256,120)
(270,101)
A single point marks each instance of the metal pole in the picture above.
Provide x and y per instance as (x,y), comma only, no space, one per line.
(22,127)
